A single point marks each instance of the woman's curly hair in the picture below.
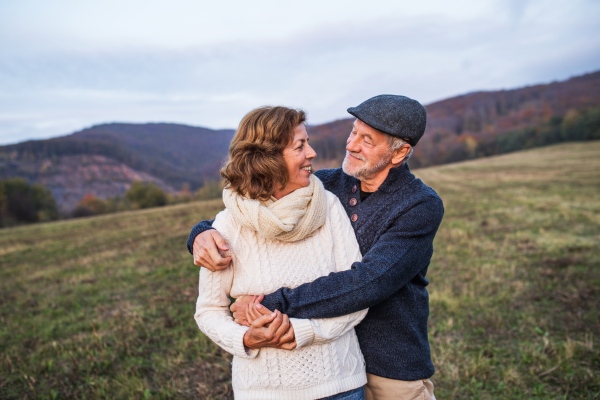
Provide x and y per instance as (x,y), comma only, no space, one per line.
(256,167)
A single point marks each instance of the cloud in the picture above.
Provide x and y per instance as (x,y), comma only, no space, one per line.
(323,64)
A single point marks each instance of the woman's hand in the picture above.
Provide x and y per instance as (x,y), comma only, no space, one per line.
(273,330)
(239,309)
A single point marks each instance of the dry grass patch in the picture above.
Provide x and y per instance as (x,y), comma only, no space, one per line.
(517,270)
(103,307)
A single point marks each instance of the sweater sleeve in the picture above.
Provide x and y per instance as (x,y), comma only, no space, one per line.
(399,254)
(345,251)
(196,230)
(212,310)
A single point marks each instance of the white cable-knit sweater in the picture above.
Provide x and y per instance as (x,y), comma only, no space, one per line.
(327,359)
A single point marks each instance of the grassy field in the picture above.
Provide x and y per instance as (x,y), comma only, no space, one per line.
(103,307)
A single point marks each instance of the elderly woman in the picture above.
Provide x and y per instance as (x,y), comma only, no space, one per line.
(283,229)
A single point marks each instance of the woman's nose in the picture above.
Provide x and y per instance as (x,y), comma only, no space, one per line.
(310,153)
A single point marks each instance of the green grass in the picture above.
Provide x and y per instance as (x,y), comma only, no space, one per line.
(515,278)
(103,307)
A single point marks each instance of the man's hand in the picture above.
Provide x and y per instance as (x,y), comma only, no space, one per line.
(272,330)
(243,304)
(208,251)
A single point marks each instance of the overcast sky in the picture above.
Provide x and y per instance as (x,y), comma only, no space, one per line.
(66,65)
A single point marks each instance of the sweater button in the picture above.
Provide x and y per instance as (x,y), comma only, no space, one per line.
(353,202)
(354,189)
(354,217)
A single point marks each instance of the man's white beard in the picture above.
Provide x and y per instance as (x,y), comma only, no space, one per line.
(367,170)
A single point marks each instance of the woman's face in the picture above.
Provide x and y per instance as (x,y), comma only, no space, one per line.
(297,156)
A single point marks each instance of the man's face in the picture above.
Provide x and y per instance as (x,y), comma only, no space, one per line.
(367,152)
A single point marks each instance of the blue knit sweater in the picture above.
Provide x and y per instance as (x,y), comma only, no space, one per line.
(395,228)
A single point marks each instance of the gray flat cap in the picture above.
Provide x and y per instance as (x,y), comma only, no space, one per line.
(398,116)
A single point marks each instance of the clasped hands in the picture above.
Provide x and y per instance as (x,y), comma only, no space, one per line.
(267,329)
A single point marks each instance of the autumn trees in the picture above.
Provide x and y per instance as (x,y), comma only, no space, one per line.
(24,203)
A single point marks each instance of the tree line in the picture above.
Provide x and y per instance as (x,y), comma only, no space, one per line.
(22,203)
(145,195)
(575,125)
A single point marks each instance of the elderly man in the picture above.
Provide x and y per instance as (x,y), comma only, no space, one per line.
(395,217)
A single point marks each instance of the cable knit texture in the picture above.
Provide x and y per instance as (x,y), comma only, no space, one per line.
(327,359)
(291,218)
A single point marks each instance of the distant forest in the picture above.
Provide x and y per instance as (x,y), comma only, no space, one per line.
(482,124)
(176,154)
(103,161)
(574,126)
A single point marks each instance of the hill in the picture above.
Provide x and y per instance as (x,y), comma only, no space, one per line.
(103,160)
(487,123)
(103,306)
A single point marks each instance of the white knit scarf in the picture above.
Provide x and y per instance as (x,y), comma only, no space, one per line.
(293,217)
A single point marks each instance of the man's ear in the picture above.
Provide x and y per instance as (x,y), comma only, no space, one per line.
(400,154)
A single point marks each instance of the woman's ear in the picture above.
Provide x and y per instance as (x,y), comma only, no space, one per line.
(400,154)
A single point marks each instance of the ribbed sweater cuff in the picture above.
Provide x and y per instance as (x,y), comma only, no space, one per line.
(303,331)
(238,344)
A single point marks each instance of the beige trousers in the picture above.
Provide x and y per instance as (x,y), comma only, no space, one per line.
(378,388)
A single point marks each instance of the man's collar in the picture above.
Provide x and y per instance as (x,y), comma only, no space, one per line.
(396,179)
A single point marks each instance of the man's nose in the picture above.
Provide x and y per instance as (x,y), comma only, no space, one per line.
(352,144)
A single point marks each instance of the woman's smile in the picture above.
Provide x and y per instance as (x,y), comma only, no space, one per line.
(297,155)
